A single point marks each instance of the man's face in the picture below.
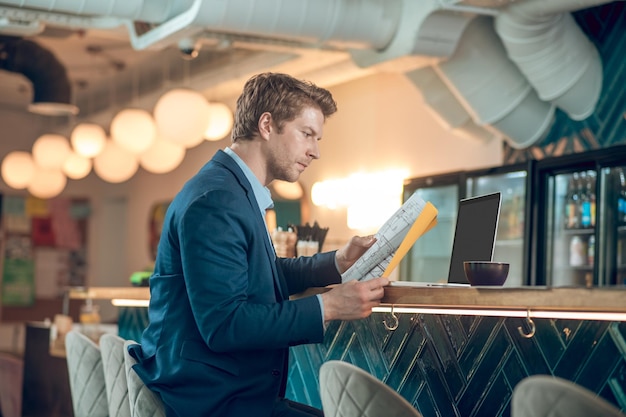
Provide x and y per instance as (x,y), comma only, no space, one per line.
(291,151)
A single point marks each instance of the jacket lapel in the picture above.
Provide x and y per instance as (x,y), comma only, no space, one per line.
(279,286)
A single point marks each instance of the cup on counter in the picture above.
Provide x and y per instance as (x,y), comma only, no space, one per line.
(62,324)
(90,320)
(307,248)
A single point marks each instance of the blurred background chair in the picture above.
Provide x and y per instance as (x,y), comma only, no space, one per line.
(348,391)
(112,350)
(143,402)
(549,396)
(84,364)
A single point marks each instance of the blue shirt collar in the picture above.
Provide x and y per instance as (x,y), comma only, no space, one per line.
(262,194)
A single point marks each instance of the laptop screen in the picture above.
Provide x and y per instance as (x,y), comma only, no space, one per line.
(475,233)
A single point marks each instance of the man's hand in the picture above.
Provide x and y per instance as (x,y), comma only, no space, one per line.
(353,299)
(353,250)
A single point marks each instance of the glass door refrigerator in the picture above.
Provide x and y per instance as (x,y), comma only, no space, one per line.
(429,258)
(580,233)
(512,242)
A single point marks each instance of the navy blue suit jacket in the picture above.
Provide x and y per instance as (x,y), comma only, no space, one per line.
(221,321)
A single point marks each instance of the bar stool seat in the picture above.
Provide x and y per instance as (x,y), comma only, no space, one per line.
(549,396)
(348,391)
(143,402)
(84,365)
(112,349)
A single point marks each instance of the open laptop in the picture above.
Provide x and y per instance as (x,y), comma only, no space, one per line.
(474,238)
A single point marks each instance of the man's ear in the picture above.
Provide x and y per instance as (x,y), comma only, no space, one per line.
(265,125)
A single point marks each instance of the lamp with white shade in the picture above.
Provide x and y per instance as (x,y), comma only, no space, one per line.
(88,139)
(134,130)
(77,166)
(50,151)
(47,183)
(18,169)
(115,164)
(162,157)
(182,116)
(220,122)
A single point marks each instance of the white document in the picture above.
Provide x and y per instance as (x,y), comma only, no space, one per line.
(376,259)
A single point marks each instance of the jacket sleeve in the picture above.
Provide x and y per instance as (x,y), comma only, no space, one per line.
(305,272)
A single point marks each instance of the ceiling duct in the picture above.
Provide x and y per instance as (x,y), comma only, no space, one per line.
(446,108)
(492,89)
(554,54)
(52,93)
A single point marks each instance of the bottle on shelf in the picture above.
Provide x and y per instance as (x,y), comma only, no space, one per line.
(567,203)
(585,201)
(621,199)
(577,252)
(591,193)
(573,203)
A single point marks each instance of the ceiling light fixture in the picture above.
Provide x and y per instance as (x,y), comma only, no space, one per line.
(134,130)
(77,166)
(182,116)
(220,122)
(47,183)
(162,157)
(115,164)
(88,139)
(50,151)
(18,169)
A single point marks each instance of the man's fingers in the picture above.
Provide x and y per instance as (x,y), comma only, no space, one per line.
(377,283)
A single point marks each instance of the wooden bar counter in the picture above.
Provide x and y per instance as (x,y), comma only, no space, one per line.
(600,299)
(597,299)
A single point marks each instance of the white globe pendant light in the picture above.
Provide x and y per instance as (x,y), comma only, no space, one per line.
(50,151)
(47,183)
(162,157)
(115,164)
(220,121)
(182,116)
(88,139)
(134,130)
(18,169)
(77,166)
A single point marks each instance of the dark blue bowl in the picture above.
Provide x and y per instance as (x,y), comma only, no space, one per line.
(486,273)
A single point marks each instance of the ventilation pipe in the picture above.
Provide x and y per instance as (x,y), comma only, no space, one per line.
(446,108)
(144,10)
(51,86)
(492,89)
(554,54)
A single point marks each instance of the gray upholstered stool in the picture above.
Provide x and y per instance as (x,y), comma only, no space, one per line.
(548,396)
(349,391)
(112,350)
(84,365)
(143,402)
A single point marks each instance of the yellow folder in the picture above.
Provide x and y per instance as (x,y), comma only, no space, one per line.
(426,220)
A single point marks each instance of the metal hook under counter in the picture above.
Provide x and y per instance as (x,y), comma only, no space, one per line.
(396,322)
(531,323)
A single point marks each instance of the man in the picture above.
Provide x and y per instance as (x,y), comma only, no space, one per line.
(221,321)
